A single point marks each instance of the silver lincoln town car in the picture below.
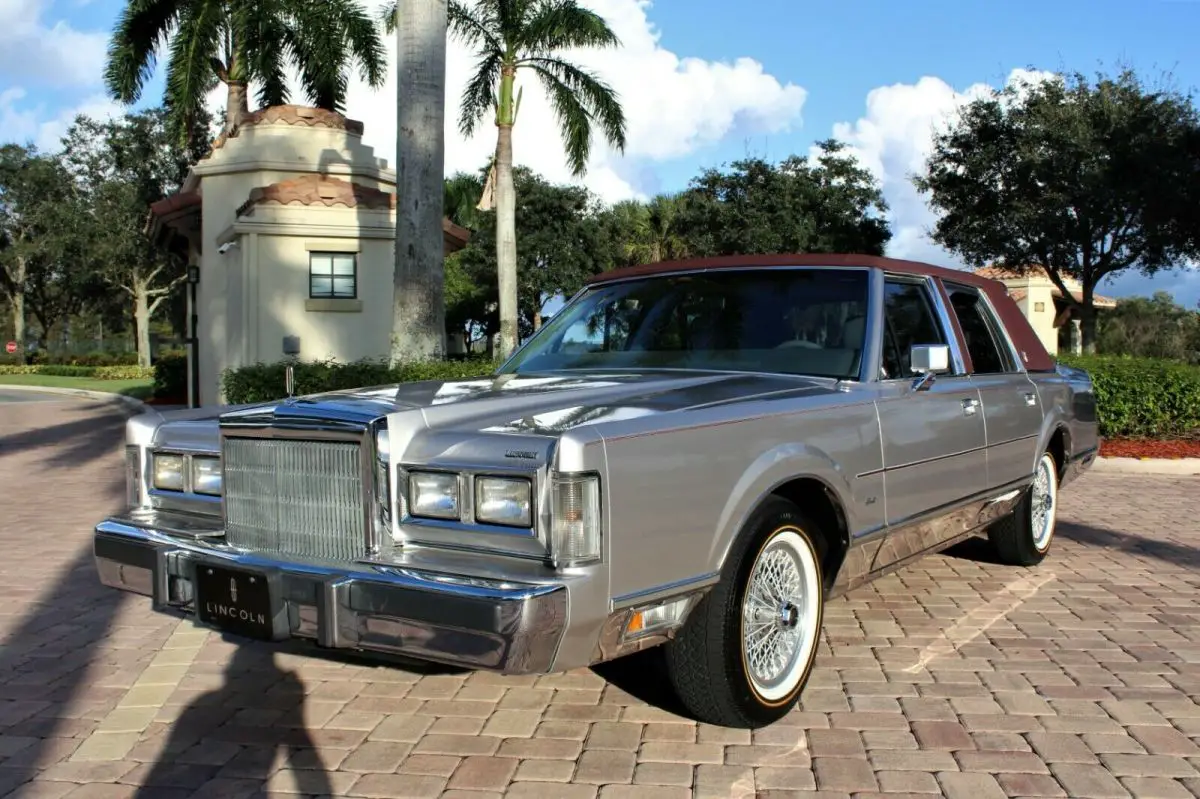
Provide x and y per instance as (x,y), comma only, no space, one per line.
(694,455)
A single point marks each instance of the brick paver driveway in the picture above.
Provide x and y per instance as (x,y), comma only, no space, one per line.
(956,676)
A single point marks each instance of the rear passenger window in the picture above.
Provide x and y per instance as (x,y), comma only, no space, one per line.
(909,321)
(981,332)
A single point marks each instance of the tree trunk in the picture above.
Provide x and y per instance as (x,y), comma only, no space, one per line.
(237,106)
(18,312)
(141,323)
(419,308)
(1087,319)
(506,216)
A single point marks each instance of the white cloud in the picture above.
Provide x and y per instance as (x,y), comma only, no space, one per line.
(673,106)
(23,124)
(49,54)
(894,139)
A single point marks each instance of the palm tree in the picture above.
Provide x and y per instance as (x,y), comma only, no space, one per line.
(508,36)
(238,41)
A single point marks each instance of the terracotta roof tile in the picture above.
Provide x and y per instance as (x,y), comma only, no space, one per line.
(1018,295)
(308,190)
(298,115)
(320,190)
(176,202)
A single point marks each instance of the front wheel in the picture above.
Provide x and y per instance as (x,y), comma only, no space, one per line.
(1023,537)
(745,652)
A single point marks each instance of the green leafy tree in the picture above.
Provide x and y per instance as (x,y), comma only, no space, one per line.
(563,242)
(513,35)
(1081,179)
(235,42)
(121,167)
(798,205)
(1150,327)
(35,236)
(647,232)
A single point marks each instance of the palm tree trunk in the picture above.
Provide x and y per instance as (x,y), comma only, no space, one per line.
(506,216)
(237,106)
(418,311)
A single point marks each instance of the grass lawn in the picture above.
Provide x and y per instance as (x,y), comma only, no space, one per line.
(139,389)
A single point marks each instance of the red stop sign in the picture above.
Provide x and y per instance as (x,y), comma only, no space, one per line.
(10,347)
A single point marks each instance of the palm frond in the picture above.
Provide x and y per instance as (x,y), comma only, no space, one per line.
(389,16)
(361,39)
(190,76)
(478,26)
(479,95)
(262,28)
(564,24)
(579,97)
(142,27)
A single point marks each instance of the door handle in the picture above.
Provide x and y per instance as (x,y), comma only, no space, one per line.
(1030,398)
(970,406)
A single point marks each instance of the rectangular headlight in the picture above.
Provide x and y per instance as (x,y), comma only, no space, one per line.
(206,475)
(433,495)
(504,500)
(168,472)
(575,520)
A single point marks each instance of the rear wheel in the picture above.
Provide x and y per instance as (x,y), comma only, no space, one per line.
(1023,537)
(744,654)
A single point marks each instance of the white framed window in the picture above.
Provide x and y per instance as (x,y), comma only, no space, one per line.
(333,275)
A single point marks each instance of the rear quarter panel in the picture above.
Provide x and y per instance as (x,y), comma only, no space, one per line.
(678,495)
(1068,399)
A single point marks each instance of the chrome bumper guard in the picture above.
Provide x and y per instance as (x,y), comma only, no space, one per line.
(447,618)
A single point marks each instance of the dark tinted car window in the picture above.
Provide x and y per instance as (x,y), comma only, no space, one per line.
(909,321)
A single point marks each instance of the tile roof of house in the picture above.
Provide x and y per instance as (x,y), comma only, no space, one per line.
(298,115)
(1001,273)
(309,190)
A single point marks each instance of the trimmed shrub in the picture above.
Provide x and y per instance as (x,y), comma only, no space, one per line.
(43,358)
(171,376)
(93,372)
(1143,397)
(267,382)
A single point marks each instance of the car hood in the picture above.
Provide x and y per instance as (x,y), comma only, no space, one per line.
(533,404)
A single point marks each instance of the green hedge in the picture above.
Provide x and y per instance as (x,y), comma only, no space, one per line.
(266,382)
(43,358)
(170,376)
(1143,397)
(94,372)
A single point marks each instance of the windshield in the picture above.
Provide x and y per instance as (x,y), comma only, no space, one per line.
(787,321)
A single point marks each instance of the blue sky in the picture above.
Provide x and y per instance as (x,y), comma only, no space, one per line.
(706,82)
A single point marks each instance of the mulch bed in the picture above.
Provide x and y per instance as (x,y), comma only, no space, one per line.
(1150,448)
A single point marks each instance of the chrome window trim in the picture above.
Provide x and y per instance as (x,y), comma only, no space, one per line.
(939,318)
(1004,344)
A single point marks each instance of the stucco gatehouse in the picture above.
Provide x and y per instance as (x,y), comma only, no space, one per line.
(289,228)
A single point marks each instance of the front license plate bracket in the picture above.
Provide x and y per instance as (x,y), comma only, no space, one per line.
(239,600)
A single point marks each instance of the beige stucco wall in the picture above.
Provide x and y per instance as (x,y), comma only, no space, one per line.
(257,291)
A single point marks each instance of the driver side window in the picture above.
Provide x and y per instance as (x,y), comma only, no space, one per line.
(908,321)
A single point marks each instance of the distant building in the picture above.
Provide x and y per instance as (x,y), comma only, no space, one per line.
(1055,320)
(289,228)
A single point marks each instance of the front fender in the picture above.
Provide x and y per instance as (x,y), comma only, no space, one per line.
(768,472)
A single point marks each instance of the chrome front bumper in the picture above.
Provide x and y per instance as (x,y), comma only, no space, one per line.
(472,622)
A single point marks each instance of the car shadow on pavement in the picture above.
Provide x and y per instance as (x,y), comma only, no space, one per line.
(643,675)
(210,722)
(1130,543)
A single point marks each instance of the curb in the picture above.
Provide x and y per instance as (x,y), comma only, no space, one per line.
(1178,467)
(132,403)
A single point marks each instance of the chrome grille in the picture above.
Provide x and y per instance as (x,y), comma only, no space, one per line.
(295,497)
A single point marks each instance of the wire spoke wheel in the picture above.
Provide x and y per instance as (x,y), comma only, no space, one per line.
(779,615)
(1043,504)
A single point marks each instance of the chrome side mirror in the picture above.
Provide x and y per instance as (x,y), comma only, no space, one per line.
(926,361)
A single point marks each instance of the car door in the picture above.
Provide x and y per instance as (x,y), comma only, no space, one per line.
(933,437)
(1011,407)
